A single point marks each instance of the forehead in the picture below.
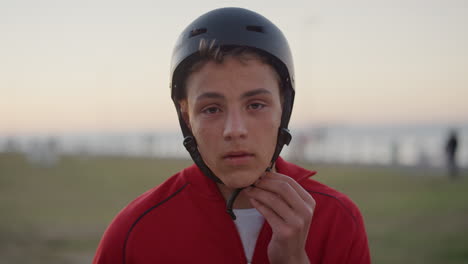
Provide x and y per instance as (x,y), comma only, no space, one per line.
(232,76)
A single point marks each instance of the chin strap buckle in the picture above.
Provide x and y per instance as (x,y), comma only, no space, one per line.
(285,136)
(190,144)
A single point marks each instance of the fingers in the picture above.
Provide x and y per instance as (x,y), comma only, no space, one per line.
(294,184)
(271,202)
(288,208)
(272,218)
(286,188)
(281,200)
(283,220)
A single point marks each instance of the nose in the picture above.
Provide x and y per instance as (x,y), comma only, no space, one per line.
(235,126)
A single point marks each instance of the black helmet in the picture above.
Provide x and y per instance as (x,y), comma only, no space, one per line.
(233,27)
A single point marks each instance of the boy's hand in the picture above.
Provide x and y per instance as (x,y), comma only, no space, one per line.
(288,208)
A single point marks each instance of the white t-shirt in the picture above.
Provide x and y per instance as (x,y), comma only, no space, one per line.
(248,223)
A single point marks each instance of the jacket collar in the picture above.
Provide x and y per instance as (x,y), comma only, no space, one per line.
(292,170)
(207,187)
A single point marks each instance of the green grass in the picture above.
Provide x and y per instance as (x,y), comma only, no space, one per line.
(58,214)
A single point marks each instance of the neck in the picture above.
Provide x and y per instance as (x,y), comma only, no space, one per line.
(242,201)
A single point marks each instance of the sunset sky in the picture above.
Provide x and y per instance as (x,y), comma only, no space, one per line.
(103,65)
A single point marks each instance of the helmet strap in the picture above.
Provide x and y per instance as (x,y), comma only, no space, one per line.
(191,145)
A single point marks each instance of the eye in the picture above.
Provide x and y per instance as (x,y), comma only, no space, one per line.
(211,110)
(256,106)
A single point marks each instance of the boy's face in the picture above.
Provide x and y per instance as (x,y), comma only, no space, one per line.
(234,110)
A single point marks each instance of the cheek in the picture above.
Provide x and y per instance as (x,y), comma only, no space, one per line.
(274,126)
(205,133)
(266,132)
(273,121)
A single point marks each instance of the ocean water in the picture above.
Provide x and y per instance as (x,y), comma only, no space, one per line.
(403,145)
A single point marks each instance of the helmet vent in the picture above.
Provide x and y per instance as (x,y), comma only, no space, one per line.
(197,31)
(258,29)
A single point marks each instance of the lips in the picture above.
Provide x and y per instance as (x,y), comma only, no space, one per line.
(237,154)
(238,158)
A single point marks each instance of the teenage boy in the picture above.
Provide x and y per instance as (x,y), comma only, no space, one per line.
(233,87)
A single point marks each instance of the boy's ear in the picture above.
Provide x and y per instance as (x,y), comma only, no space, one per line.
(184,112)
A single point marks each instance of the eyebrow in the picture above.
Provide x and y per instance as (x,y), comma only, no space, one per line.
(255,92)
(214,95)
(210,95)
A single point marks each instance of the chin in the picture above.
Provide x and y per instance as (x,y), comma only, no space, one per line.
(241,179)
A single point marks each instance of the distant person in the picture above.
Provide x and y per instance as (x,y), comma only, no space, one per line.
(451,154)
(232,82)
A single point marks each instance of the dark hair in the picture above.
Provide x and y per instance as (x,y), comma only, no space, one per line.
(209,51)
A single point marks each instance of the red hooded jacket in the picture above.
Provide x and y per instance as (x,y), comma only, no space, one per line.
(184,220)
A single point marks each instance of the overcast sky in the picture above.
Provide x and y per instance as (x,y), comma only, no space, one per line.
(103,65)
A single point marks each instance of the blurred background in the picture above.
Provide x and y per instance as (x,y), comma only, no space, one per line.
(87,124)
